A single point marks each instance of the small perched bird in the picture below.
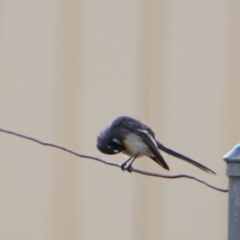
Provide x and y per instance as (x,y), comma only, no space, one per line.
(134,139)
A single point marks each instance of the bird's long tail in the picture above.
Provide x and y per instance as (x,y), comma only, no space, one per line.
(187,159)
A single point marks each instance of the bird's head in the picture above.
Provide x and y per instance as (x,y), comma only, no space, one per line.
(109,141)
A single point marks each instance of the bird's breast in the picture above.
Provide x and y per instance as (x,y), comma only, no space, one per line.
(135,146)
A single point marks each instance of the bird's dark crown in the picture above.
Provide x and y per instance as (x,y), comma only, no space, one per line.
(108,141)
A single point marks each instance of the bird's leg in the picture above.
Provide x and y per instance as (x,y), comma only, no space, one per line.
(128,168)
(125,163)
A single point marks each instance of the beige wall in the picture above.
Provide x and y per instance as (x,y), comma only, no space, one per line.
(68,68)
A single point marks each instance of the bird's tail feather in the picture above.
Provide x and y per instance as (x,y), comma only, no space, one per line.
(187,159)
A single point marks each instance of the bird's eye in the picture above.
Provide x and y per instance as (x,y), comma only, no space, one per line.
(114,145)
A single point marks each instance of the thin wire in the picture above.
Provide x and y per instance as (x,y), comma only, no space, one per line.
(111,163)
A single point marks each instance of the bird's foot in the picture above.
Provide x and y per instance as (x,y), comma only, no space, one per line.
(129,168)
(125,167)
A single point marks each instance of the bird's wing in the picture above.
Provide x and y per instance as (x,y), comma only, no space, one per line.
(149,140)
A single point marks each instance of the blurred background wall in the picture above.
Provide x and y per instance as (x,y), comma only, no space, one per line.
(68,68)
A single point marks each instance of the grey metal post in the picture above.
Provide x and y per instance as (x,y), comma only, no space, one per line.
(233,171)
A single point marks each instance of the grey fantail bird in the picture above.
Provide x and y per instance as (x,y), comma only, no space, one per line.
(133,138)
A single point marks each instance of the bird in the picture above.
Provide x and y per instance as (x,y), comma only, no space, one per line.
(135,139)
